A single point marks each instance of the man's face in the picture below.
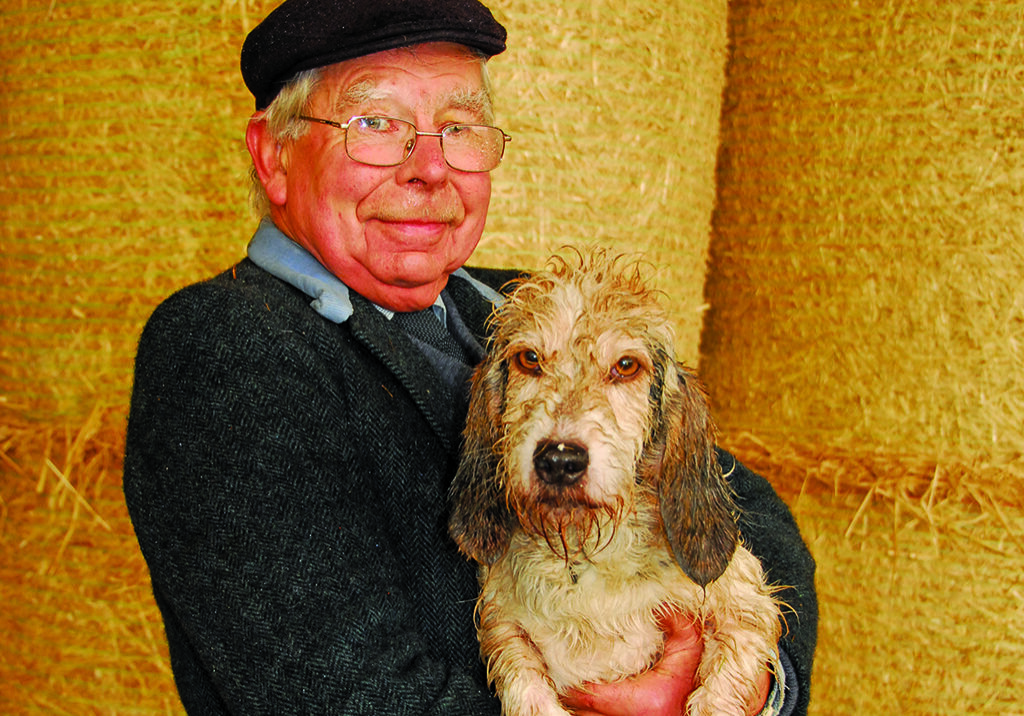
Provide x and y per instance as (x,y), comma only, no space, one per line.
(392,234)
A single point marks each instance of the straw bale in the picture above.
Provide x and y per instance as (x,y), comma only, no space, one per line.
(867,256)
(124,163)
(614,110)
(82,634)
(920,577)
(121,150)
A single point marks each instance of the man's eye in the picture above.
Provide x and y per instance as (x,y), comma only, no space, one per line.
(376,125)
(527,361)
(626,368)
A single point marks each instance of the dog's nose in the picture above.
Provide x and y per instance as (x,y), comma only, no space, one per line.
(560,464)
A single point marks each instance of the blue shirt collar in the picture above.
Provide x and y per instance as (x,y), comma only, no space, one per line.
(278,255)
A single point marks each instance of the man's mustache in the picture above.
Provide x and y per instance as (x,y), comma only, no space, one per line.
(437,216)
(441,210)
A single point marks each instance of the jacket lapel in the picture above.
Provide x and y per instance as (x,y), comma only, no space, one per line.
(442,404)
(474,308)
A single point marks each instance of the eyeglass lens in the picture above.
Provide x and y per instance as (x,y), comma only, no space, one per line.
(384,141)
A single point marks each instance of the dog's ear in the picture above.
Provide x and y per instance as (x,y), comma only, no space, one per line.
(696,502)
(481,522)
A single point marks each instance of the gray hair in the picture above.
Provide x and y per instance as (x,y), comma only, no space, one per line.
(283,123)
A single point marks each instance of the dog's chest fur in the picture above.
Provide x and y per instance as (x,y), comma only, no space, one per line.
(591,619)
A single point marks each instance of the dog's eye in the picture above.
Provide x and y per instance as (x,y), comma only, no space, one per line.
(625,368)
(527,361)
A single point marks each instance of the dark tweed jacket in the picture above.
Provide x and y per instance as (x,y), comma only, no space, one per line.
(287,477)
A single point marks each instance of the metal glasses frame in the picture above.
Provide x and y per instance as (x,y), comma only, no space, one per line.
(416,135)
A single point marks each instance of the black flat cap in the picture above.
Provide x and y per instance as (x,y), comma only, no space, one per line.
(303,34)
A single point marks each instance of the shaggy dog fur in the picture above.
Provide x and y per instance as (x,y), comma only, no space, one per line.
(590,493)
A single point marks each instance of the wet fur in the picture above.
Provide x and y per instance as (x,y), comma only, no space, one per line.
(574,576)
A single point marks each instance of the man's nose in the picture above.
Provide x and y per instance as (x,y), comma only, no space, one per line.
(426,161)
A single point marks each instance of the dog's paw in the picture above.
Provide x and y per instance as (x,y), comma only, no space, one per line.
(705,702)
(719,701)
(536,699)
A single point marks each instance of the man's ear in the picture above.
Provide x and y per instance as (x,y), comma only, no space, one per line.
(269,159)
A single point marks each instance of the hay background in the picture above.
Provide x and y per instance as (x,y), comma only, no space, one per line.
(866,323)
(863,347)
(868,252)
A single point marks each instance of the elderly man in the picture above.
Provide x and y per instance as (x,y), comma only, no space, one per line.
(295,421)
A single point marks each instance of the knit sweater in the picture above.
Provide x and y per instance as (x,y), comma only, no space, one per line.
(287,477)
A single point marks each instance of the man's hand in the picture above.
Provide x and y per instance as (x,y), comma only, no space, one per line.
(663,689)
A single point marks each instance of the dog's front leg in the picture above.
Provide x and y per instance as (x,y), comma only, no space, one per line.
(741,639)
(516,667)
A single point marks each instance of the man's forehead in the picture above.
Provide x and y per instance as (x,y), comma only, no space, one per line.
(368,90)
(444,78)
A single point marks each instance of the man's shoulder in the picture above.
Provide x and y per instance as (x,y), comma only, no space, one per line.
(243,283)
(235,299)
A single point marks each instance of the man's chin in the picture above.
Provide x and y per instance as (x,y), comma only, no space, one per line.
(403,294)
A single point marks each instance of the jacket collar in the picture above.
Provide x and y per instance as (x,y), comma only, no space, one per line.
(438,385)
(274,252)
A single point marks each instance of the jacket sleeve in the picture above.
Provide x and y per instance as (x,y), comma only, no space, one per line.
(770,532)
(282,592)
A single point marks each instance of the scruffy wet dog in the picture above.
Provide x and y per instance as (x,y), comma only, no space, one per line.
(590,493)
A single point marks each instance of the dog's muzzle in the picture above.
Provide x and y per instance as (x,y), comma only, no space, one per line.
(560,464)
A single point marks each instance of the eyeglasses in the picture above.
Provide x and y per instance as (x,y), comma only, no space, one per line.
(387,142)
